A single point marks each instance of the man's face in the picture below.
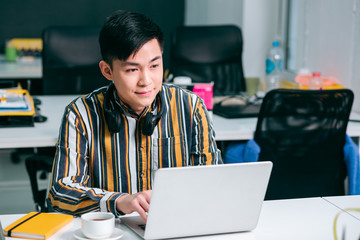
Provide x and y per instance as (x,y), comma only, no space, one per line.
(137,79)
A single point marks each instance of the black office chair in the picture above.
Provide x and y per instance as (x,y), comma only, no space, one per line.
(303,134)
(71,57)
(209,54)
(38,168)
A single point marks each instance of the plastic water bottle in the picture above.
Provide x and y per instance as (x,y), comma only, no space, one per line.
(274,66)
(316,82)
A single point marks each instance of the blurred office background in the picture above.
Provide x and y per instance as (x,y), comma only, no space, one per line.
(320,35)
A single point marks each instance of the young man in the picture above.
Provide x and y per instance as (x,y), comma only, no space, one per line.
(113,140)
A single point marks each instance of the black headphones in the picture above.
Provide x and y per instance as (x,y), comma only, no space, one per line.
(113,112)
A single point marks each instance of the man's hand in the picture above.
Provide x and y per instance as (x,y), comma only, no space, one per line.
(138,202)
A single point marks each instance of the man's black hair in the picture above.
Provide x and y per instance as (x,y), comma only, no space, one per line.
(124,33)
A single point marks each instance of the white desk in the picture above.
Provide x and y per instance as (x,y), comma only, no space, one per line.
(227,129)
(244,128)
(347,204)
(45,134)
(308,218)
(42,134)
(21,69)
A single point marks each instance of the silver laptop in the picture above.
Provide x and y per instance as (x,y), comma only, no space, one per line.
(204,200)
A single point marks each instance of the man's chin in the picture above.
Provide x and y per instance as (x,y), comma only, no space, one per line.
(146,102)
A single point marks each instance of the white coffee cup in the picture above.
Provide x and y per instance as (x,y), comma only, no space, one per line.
(97,225)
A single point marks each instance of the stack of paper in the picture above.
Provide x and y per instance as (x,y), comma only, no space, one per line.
(15,101)
(16,108)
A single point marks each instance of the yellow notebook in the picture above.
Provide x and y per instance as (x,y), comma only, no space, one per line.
(36,225)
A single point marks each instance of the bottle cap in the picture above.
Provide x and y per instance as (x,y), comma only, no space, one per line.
(316,74)
(275,44)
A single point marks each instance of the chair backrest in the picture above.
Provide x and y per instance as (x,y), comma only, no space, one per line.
(209,54)
(71,58)
(303,134)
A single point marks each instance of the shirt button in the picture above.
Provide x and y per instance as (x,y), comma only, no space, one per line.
(141,148)
(142,175)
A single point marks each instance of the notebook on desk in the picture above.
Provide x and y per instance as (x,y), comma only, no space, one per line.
(203,200)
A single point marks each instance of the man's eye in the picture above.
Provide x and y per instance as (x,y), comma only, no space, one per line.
(155,66)
(131,70)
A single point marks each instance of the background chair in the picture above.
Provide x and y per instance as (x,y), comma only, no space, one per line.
(71,57)
(303,134)
(209,54)
(38,168)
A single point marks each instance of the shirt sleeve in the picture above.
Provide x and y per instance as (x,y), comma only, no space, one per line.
(70,190)
(203,150)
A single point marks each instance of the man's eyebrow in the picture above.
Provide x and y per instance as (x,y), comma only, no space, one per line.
(137,64)
(155,58)
(124,64)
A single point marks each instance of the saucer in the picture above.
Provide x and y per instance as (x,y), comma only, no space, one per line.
(117,233)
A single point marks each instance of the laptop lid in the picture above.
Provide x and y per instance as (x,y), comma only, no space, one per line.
(203,200)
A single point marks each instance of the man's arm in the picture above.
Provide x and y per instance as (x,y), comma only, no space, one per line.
(71,188)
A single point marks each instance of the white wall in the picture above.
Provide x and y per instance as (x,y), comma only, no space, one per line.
(260,29)
(324,36)
(258,20)
(354,78)
(207,12)
(328,38)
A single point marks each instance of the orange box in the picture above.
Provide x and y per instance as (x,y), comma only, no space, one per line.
(329,83)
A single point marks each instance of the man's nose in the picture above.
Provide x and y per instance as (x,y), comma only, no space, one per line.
(145,78)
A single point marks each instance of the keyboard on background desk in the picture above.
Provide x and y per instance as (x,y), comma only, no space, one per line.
(237,106)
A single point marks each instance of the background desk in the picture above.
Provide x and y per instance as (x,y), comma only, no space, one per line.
(42,134)
(244,128)
(26,72)
(308,218)
(45,134)
(227,129)
(20,69)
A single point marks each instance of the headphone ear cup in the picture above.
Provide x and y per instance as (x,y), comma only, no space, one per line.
(113,120)
(112,115)
(150,122)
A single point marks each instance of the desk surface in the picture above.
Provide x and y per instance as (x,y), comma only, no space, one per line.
(42,134)
(46,134)
(348,204)
(235,128)
(244,128)
(308,218)
(22,69)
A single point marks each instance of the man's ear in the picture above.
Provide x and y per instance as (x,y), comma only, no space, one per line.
(106,70)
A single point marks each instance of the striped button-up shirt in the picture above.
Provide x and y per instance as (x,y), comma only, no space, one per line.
(93,166)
